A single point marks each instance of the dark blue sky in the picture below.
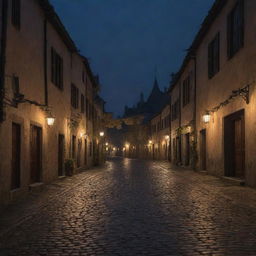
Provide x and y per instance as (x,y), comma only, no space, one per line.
(125,39)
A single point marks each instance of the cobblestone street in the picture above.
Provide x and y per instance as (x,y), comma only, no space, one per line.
(133,207)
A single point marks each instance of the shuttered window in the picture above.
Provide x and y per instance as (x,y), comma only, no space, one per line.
(186,91)
(16,13)
(74,96)
(235,29)
(214,56)
(56,69)
(82,103)
(175,110)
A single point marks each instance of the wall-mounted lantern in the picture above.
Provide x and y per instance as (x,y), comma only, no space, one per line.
(206,117)
(102,134)
(50,120)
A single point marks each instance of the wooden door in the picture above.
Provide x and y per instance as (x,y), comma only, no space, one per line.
(187,142)
(35,153)
(79,152)
(61,147)
(74,147)
(16,146)
(85,152)
(174,150)
(203,149)
(178,150)
(239,148)
(234,145)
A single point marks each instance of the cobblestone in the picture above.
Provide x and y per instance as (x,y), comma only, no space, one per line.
(133,207)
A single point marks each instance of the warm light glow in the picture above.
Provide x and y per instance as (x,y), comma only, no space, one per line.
(127,145)
(124,149)
(150,141)
(106,148)
(102,134)
(114,149)
(167,137)
(106,144)
(50,121)
(206,118)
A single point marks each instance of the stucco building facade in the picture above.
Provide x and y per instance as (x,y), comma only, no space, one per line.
(159,141)
(42,77)
(217,121)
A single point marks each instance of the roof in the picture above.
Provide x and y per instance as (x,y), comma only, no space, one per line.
(89,70)
(54,19)
(213,13)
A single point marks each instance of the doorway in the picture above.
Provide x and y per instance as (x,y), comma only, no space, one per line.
(79,152)
(16,150)
(234,145)
(35,153)
(61,150)
(203,149)
(187,143)
(85,152)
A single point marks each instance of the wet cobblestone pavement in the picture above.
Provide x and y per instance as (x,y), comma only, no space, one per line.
(133,207)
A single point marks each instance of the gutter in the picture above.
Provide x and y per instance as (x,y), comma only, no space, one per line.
(3,57)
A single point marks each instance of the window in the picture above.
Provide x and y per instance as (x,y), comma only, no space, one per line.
(175,110)
(90,111)
(235,29)
(87,108)
(16,13)
(214,56)
(83,76)
(82,103)
(158,126)
(74,96)
(16,85)
(57,69)
(186,91)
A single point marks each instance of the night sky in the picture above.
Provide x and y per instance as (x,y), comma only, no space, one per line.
(125,40)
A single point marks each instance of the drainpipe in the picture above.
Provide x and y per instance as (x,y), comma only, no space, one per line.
(45,64)
(3,57)
(180,137)
(195,104)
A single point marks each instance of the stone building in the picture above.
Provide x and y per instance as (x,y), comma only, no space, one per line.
(182,93)
(159,141)
(219,119)
(47,98)
(133,136)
